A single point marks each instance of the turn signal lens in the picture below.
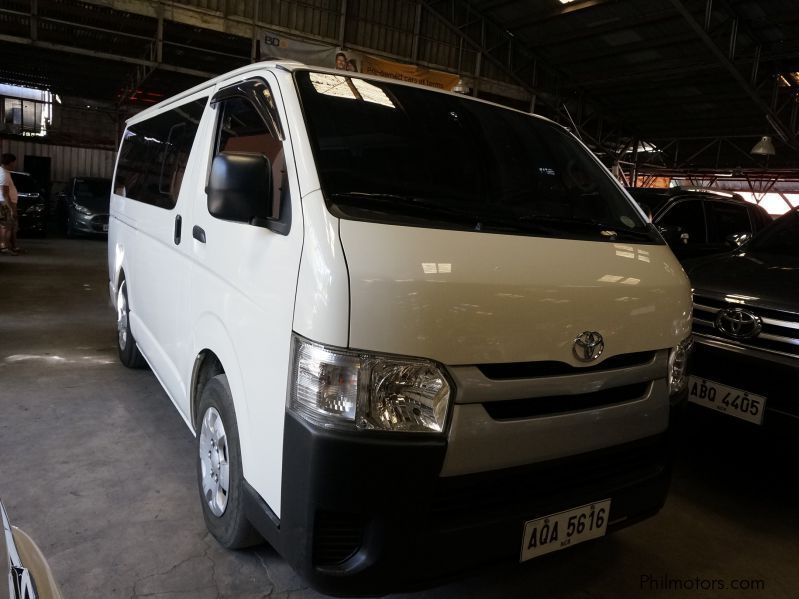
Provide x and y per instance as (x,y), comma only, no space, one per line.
(325,384)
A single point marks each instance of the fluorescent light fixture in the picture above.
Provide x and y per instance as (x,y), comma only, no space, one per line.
(566,1)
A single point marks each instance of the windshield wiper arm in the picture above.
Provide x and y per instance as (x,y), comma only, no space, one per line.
(428,204)
(591,224)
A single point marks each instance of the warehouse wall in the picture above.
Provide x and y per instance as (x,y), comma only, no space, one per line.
(387,27)
(65,161)
(84,122)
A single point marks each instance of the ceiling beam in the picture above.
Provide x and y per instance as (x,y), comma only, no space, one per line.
(783,131)
(105,56)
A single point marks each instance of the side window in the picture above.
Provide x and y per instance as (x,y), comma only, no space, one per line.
(759,217)
(241,129)
(690,217)
(154,154)
(724,219)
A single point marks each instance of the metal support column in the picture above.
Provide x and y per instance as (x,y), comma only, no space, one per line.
(733,38)
(417,32)
(34,20)
(342,25)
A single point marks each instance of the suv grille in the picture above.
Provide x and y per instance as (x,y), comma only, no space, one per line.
(780,331)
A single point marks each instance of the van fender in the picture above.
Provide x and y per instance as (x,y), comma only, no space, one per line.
(116,256)
(209,333)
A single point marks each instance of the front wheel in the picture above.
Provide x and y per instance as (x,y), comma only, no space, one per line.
(129,354)
(219,473)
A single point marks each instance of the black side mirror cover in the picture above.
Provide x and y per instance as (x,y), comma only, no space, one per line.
(240,188)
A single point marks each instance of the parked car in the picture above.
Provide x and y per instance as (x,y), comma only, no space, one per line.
(31,205)
(84,206)
(412,332)
(29,576)
(746,326)
(700,222)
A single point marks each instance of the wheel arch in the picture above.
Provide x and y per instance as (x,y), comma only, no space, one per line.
(214,354)
(116,271)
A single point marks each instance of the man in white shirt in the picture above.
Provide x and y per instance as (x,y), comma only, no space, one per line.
(8,206)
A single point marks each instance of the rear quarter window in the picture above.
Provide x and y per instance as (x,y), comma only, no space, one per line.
(154,154)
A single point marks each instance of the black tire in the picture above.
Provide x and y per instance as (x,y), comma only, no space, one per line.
(129,353)
(231,528)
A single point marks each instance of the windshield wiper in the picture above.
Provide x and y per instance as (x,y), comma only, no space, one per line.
(435,207)
(402,202)
(609,231)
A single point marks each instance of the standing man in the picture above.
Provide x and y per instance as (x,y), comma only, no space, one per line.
(8,206)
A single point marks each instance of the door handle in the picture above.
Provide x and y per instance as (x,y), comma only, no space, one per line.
(198,233)
(178,226)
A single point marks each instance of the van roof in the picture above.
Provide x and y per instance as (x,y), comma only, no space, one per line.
(289,65)
(256,66)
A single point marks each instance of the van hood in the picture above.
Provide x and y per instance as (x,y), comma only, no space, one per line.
(476,298)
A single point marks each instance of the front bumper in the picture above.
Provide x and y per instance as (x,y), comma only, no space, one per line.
(33,221)
(89,224)
(770,374)
(369,513)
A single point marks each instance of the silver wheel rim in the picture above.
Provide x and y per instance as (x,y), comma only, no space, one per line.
(122,318)
(214,462)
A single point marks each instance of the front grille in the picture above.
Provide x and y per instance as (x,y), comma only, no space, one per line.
(528,370)
(337,537)
(780,331)
(541,406)
(525,489)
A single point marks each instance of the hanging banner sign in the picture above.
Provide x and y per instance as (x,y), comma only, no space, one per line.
(279,46)
(371,65)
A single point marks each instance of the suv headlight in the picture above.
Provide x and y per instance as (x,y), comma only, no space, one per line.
(81,208)
(336,388)
(678,366)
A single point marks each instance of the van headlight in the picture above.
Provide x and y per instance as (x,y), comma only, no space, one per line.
(335,388)
(678,366)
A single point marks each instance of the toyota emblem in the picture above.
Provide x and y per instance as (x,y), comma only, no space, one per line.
(738,323)
(588,346)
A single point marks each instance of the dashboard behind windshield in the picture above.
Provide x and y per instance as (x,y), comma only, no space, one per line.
(392,153)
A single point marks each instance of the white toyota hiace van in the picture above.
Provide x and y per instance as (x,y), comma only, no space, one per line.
(411,331)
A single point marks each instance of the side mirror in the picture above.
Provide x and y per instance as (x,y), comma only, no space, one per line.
(736,240)
(240,188)
(673,234)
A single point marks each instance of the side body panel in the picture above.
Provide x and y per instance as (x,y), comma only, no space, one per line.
(157,269)
(241,305)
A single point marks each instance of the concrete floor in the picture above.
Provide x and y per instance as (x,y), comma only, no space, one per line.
(97,465)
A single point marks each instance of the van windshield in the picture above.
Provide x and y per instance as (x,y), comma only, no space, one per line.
(398,154)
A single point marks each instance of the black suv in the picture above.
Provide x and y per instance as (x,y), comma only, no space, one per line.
(746,326)
(698,222)
(31,204)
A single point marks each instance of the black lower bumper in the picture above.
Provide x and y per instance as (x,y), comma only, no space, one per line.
(775,379)
(367,514)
